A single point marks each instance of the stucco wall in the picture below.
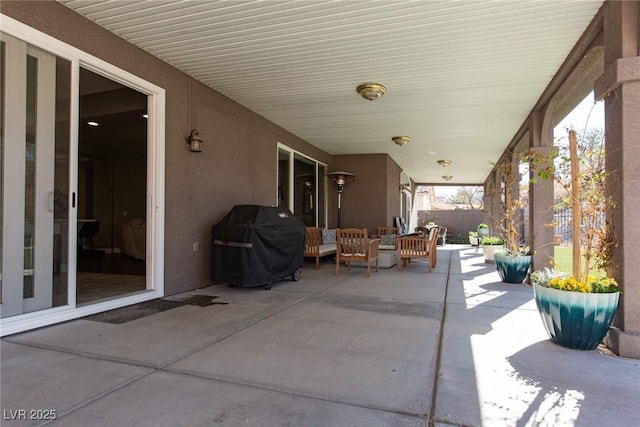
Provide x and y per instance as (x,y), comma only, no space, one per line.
(372,197)
(458,222)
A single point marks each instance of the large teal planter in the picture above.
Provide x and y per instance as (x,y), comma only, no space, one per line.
(512,269)
(575,319)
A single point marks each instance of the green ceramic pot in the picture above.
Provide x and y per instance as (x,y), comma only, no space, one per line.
(575,319)
(512,269)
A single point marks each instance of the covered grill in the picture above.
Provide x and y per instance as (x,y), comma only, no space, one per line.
(257,245)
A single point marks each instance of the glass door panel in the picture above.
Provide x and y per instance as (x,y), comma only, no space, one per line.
(322,212)
(305,186)
(112,190)
(283,178)
(29,137)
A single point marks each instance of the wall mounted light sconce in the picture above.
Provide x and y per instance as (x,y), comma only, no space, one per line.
(194,141)
(443,163)
(447,177)
(340,178)
(401,140)
(371,91)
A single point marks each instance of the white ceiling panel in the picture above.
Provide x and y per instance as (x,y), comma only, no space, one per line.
(462,76)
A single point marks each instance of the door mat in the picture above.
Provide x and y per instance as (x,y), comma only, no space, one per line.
(203,300)
(126,314)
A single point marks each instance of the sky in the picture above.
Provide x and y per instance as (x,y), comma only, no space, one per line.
(579,118)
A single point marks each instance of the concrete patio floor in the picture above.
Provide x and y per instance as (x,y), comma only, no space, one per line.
(400,348)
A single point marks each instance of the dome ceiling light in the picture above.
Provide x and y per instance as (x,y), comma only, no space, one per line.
(447,177)
(371,91)
(443,163)
(401,139)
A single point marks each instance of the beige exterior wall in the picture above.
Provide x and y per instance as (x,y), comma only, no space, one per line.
(372,197)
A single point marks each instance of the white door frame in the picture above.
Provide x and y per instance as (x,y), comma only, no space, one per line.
(155,180)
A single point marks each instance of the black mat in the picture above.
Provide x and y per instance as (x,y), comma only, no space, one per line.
(147,308)
(203,300)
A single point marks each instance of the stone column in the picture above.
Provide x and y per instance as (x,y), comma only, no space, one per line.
(541,197)
(619,86)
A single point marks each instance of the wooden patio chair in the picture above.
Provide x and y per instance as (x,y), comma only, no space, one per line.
(418,247)
(353,244)
(388,230)
(388,238)
(423,230)
(314,246)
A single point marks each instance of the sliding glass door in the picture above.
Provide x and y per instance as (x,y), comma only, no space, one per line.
(81,183)
(301,186)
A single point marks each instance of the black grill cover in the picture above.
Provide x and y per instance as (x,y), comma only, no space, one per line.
(254,245)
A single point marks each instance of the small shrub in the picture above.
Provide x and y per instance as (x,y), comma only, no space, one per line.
(492,241)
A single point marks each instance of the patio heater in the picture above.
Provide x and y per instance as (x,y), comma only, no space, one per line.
(340,178)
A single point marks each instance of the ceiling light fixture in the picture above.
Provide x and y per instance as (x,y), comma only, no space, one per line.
(371,91)
(92,123)
(401,139)
(447,177)
(443,163)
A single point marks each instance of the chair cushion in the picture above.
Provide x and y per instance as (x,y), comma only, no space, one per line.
(327,248)
(328,236)
(388,239)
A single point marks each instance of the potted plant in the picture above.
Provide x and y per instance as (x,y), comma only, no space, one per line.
(473,238)
(576,313)
(514,261)
(577,309)
(482,230)
(490,245)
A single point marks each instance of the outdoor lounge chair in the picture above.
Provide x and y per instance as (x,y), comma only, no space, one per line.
(388,238)
(315,247)
(418,247)
(353,244)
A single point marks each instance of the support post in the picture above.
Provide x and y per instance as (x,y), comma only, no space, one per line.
(575,203)
(619,86)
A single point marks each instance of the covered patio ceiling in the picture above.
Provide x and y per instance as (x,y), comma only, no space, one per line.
(461,76)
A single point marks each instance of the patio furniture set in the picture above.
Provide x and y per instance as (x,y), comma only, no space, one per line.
(352,246)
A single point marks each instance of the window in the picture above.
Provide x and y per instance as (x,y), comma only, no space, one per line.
(301,186)
(405,198)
